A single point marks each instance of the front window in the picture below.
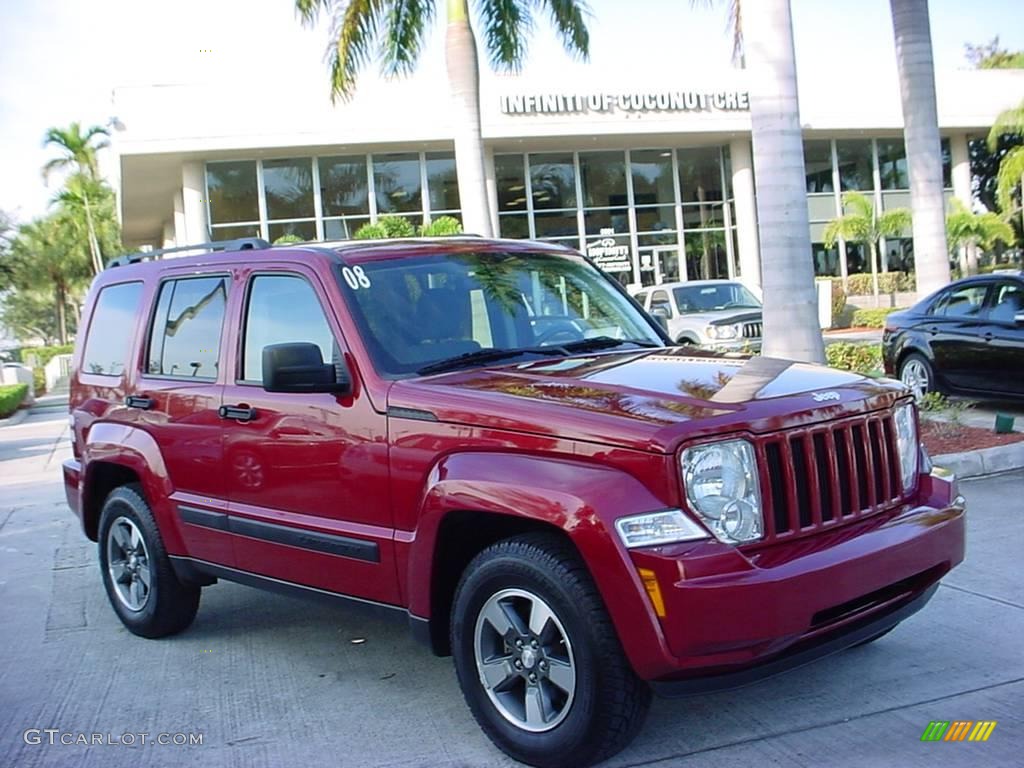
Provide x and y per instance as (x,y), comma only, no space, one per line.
(711,298)
(417,311)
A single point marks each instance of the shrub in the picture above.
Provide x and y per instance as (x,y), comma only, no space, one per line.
(838,302)
(888,282)
(370,232)
(38,381)
(288,239)
(11,396)
(441,226)
(860,358)
(872,318)
(387,227)
(38,357)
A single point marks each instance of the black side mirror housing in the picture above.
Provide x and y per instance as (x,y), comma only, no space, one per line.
(299,367)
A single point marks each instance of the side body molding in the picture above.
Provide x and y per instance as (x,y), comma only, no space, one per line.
(580,498)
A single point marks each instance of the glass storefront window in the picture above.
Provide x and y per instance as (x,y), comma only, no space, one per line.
(818,164)
(826,260)
(899,254)
(857,261)
(232,191)
(442,184)
(892,164)
(511,182)
(343,229)
(703,216)
(304,229)
(288,187)
(514,225)
(553,179)
(397,183)
(700,174)
(706,255)
(655,219)
(233,233)
(603,176)
(855,166)
(947,164)
(344,189)
(554,224)
(616,219)
(652,177)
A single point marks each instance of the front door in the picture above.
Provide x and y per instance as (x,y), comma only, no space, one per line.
(1003,360)
(660,264)
(307,474)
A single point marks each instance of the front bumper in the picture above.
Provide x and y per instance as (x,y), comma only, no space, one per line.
(732,616)
(749,346)
(72,470)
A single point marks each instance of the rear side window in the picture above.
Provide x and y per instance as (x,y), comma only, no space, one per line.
(185,338)
(110,331)
(965,301)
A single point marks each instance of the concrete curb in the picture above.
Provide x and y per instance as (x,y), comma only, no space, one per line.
(15,418)
(984,461)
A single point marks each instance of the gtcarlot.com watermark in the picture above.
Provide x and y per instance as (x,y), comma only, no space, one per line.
(55,736)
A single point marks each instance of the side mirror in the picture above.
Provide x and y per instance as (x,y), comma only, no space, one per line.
(299,367)
(660,314)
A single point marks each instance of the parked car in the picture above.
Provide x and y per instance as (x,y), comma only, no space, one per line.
(578,513)
(967,338)
(715,314)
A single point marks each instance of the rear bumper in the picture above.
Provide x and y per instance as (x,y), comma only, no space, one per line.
(733,617)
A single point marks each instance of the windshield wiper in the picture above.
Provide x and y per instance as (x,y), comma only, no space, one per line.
(605,342)
(489,356)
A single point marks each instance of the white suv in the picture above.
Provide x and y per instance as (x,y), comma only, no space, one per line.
(716,314)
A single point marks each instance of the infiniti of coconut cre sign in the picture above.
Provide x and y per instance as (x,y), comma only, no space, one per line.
(632,101)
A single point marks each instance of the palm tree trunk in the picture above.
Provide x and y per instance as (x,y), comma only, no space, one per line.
(921,135)
(791,328)
(873,253)
(972,259)
(464,82)
(62,320)
(94,243)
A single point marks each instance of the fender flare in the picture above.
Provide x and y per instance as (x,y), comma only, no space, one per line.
(579,498)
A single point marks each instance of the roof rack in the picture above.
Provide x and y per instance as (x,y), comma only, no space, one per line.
(241,244)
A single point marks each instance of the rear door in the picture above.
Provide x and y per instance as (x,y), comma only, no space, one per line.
(955,330)
(307,473)
(177,396)
(1003,361)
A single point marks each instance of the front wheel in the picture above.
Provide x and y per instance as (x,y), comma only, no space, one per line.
(917,374)
(538,659)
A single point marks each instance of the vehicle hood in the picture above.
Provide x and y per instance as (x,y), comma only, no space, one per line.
(722,317)
(649,400)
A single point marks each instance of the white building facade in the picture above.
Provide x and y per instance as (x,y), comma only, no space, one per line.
(651,176)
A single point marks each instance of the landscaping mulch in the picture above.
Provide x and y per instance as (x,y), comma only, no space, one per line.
(943,437)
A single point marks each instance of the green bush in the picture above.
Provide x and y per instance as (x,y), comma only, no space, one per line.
(441,226)
(838,302)
(859,358)
(38,357)
(888,282)
(872,318)
(387,227)
(11,396)
(288,239)
(370,232)
(39,381)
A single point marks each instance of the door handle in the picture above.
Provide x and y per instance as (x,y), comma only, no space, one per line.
(933,330)
(237,412)
(989,336)
(139,401)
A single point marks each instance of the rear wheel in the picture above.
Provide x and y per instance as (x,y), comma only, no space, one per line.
(141,585)
(917,374)
(538,659)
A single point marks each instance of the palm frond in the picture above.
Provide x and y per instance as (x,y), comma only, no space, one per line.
(570,19)
(992,229)
(309,10)
(354,29)
(1008,121)
(507,25)
(1008,180)
(858,205)
(736,25)
(57,164)
(893,223)
(404,32)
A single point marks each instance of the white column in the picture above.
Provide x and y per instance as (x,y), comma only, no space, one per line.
(193,193)
(746,210)
(180,234)
(491,180)
(168,239)
(961,159)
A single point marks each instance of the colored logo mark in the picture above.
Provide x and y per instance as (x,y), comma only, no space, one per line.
(959,730)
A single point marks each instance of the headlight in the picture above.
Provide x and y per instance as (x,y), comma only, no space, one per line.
(665,527)
(723,331)
(721,486)
(906,443)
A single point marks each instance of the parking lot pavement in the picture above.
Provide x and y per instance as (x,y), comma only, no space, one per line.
(270,681)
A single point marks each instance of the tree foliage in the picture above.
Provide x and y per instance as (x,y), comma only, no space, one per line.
(990,56)
(1011,167)
(965,227)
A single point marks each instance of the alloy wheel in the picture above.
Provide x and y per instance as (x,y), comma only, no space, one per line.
(128,564)
(916,377)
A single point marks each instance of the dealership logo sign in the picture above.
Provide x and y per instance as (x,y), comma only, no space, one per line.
(609,255)
(627,101)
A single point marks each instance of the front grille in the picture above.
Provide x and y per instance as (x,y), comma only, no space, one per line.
(752,330)
(827,475)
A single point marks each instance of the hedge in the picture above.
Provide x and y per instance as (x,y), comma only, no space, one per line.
(43,355)
(859,358)
(888,282)
(872,318)
(11,396)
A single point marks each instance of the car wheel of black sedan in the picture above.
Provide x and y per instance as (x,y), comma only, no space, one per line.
(917,374)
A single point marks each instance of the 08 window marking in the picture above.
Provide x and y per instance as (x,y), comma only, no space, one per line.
(356,277)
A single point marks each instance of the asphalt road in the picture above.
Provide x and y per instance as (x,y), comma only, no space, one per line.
(271,681)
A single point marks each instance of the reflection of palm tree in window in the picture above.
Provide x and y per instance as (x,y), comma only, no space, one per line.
(551,185)
(219,291)
(344,188)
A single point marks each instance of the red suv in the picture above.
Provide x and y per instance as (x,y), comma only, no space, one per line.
(492,441)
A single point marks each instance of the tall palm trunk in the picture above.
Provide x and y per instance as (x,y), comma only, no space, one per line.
(873,252)
(921,135)
(94,243)
(464,81)
(62,309)
(791,328)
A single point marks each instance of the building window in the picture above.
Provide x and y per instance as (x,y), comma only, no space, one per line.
(553,181)
(947,164)
(344,190)
(288,186)
(892,164)
(232,193)
(818,164)
(652,177)
(700,175)
(442,182)
(855,164)
(398,183)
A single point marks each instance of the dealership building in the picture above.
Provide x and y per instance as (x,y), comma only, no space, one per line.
(652,176)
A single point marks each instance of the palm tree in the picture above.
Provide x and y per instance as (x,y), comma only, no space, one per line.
(921,136)
(967,229)
(861,223)
(399,27)
(91,202)
(1011,169)
(79,151)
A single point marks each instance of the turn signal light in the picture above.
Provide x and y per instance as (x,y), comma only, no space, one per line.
(653,590)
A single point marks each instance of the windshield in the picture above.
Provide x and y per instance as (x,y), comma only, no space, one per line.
(415,311)
(710,298)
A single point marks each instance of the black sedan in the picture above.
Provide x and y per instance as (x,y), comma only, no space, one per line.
(967,338)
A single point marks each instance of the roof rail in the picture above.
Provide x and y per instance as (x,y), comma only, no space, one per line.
(241,244)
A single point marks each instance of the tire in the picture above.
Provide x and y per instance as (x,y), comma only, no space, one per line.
(917,374)
(598,704)
(686,341)
(131,548)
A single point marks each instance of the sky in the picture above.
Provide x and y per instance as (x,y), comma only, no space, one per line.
(61,59)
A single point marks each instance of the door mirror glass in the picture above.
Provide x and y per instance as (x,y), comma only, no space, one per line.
(660,314)
(299,367)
